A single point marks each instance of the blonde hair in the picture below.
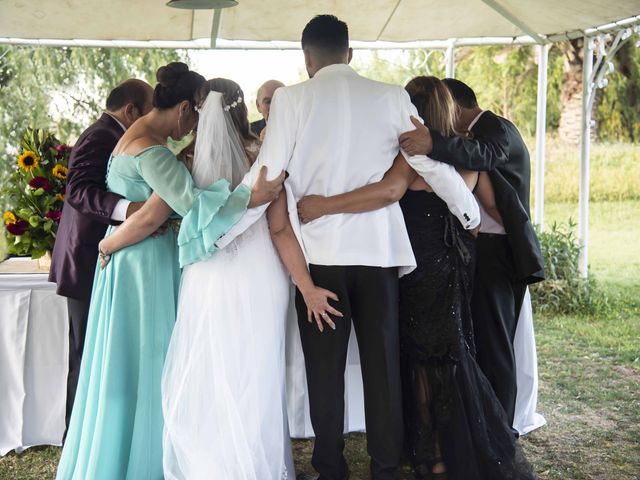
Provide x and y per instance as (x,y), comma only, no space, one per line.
(434,104)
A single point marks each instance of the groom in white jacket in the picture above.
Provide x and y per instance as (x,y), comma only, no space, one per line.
(334,133)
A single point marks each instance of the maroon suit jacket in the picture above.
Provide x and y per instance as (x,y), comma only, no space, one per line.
(87,210)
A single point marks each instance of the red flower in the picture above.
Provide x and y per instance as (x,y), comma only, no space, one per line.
(40,182)
(54,215)
(61,149)
(18,228)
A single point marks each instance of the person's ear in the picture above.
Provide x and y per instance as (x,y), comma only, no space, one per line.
(183,108)
(131,112)
(350,55)
(308,62)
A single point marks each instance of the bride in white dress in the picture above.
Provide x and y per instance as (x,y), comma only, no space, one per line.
(223,385)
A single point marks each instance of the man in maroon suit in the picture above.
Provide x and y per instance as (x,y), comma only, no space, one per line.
(88,209)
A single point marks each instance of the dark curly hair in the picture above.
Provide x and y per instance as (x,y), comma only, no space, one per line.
(176,83)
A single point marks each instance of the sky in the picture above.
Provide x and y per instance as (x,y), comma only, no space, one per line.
(251,68)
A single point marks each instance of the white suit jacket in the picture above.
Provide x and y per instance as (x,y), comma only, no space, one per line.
(334,133)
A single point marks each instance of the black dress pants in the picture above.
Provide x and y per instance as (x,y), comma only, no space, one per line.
(78,313)
(495,304)
(368,298)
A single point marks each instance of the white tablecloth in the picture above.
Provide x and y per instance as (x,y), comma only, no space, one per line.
(33,361)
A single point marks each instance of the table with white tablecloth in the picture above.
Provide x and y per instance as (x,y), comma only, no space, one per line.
(33,357)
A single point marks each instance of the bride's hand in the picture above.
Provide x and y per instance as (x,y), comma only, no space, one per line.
(318,308)
(265,191)
(311,207)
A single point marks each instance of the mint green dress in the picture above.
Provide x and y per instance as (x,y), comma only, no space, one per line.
(115,431)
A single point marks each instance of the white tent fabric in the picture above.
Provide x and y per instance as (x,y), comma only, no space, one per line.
(282,20)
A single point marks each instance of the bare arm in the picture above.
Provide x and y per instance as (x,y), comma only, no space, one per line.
(484,193)
(138,226)
(364,199)
(291,255)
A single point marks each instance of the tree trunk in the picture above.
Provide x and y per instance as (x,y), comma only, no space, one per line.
(571,93)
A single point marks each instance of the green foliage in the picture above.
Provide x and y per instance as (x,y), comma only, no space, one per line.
(505,79)
(618,113)
(62,89)
(564,290)
(399,69)
(614,172)
(36,192)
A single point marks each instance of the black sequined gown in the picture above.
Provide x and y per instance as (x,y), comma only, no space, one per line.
(450,409)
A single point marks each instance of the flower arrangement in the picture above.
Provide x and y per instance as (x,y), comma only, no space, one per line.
(36,191)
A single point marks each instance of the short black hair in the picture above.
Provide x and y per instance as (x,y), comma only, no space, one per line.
(129,91)
(462,93)
(326,33)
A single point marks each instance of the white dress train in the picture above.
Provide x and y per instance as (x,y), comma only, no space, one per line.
(526,418)
(223,383)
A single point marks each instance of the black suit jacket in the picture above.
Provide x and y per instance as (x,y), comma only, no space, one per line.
(87,210)
(498,148)
(258,126)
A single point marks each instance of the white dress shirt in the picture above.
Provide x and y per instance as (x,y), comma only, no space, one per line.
(337,132)
(119,213)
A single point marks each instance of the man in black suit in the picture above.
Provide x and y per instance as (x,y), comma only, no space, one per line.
(263,103)
(88,209)
(508,255)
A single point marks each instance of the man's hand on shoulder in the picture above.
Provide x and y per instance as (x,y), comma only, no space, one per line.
(418,141)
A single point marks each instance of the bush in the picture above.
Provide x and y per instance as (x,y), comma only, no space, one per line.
(614,176)
(564,290)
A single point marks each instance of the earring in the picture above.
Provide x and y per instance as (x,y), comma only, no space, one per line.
(179,127)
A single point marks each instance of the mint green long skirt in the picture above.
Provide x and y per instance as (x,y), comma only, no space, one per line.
(115,431)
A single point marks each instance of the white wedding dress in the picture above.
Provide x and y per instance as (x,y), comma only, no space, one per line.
(223,385)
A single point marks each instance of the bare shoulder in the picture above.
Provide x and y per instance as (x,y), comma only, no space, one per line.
(134,145)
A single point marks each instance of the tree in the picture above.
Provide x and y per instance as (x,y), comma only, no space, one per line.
(571,93)
(63,89)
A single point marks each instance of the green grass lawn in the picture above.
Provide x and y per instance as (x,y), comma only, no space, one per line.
(589,369)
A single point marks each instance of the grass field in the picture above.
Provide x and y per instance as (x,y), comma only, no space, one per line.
(589,368)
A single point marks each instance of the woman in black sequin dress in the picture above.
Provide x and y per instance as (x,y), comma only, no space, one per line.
(455,428)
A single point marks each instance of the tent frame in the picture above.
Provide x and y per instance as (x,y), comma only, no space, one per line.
(594,77)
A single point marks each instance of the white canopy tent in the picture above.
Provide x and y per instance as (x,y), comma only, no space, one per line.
(277,24)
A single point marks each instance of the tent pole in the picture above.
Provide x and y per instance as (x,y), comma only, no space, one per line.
(450,69)
(585,141)
(541,131)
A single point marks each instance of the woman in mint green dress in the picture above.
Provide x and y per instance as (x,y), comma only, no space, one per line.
(116,427)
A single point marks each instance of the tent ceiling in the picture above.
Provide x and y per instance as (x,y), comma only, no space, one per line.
(282,20)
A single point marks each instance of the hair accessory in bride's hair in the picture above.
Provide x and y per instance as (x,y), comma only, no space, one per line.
(233,105)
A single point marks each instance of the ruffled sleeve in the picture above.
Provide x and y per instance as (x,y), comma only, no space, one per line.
(207,213)
(214,211)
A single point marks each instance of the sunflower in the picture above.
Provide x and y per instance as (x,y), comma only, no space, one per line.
(9,217)
(28,160)
(60,171)
(61,193)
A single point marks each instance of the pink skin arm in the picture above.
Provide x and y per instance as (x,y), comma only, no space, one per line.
(138,226)
(484,194)
(284,239)
(370,197)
